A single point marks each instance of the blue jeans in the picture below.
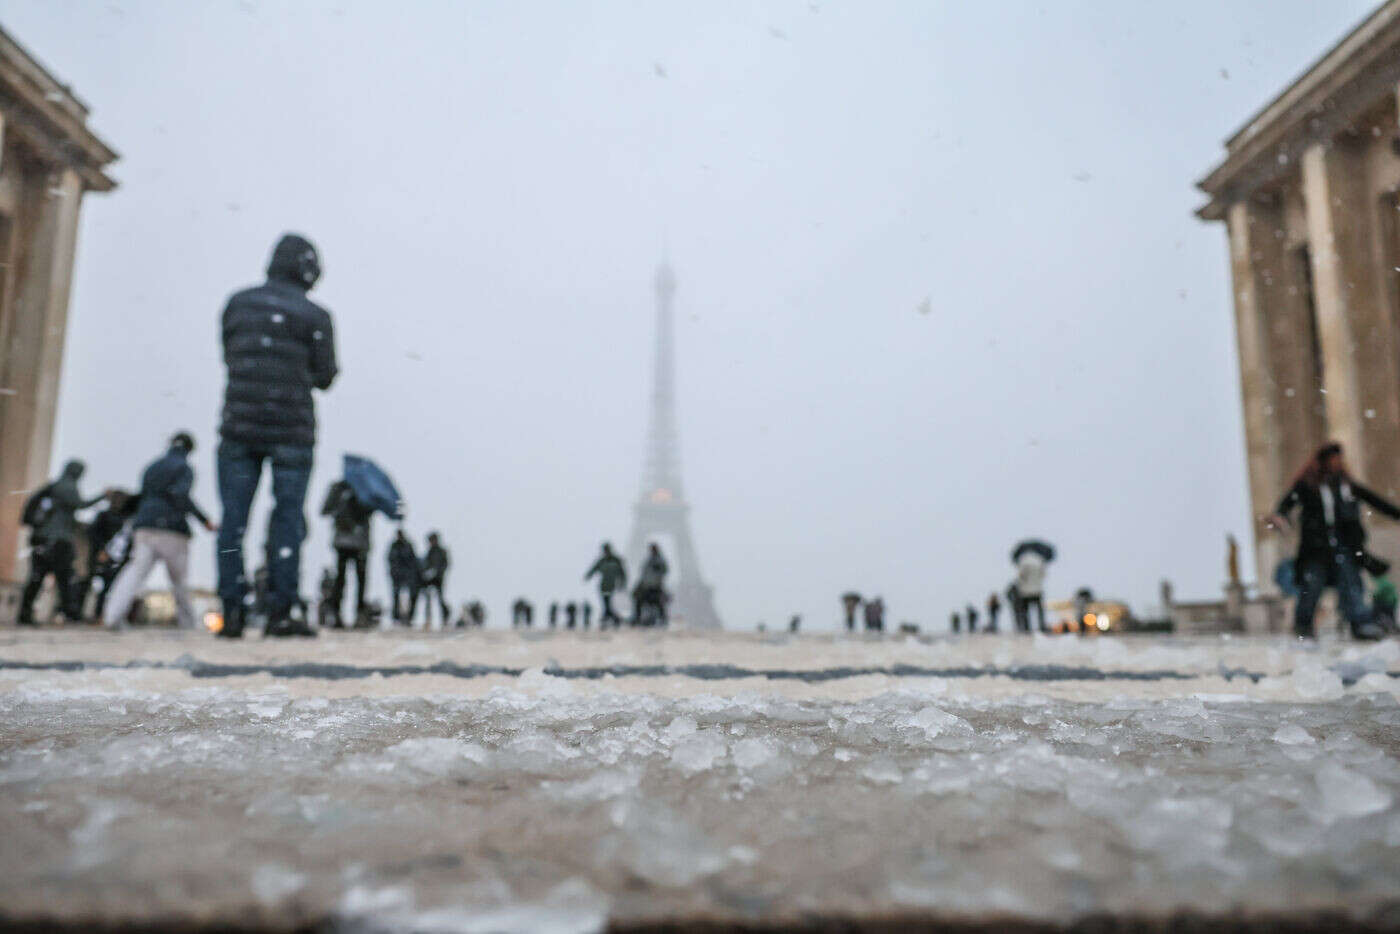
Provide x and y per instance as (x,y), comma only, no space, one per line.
(1314,574)
(240,468)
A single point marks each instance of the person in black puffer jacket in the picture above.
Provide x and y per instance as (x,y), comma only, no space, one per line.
(1331,539)
(278,346)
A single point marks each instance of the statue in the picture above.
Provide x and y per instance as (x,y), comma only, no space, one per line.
(1232,559)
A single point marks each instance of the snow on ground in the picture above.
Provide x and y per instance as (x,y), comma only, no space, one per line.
(496,781)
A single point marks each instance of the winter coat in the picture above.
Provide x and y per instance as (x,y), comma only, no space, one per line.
(61,522)
(654,572)
(403,561)
(278,345)
(1316,535)
(351,518)
(612,573)
(102,529)
(165,495)
(435,564)
(1030,574)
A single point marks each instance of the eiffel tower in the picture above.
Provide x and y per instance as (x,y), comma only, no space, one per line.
(662,510)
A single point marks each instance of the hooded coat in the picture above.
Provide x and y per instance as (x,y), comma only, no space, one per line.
(403,561)
(165,495)
(351,518)
(61,522)
(278,346)
(612,574)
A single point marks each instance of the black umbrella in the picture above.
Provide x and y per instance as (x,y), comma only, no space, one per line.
(1039,546)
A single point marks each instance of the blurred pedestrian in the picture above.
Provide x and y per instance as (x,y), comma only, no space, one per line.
(850,603)
(278,347)
(109,545)
(993,610)
(434,579)
(52,516)
(1331,540)
(350,537)
(403,577)
(971,618)
(612,576)
(162,534)
(955,622)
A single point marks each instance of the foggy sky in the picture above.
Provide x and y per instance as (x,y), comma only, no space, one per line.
(940,285)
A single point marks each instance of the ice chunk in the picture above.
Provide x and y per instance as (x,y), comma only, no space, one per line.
(679,727)
(660,846)
(1313,682)
(1347,793)
(274,883)
(934,721)
(438,755)
(1293,735)
(764,758)
(699,751)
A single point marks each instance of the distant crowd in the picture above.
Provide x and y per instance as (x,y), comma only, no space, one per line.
(279,348)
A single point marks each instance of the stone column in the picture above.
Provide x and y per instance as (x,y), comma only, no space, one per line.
(48,230)
(1249,240)
(1340,283)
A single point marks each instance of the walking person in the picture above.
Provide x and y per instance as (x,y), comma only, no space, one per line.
(52,516)
(612,575)
(587,614)
(955,621)
(553,615)
(993,610)
(971,618)
(109,545)
(1030,586)
(350,523)
(434,579)
(649,597)
(162,534)
(1331,540)
(403,577)
(278,347)
(850,603)
(570,615)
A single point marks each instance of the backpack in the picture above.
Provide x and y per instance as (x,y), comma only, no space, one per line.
(38,508)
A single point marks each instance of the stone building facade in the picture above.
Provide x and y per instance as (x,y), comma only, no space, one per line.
(49,159)
(1309,191)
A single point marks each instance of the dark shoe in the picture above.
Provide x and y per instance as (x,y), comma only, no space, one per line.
(1366,632)
(25,622)
(284,628)
(233,625)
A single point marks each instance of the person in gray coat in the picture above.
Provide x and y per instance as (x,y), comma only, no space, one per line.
(52,516)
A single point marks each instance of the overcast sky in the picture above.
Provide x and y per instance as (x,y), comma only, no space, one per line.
(940,285)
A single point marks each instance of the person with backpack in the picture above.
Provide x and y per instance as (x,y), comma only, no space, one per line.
(162,534)
(612,575)
(351,539)
(51,514)
(278,347)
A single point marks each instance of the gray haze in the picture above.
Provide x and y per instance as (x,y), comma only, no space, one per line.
(940,283)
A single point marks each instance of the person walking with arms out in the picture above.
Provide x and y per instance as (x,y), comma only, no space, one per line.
(612,576)
(162,534)
(1331,539)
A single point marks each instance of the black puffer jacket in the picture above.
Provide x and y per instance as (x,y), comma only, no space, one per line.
(278,344)
(1317,539)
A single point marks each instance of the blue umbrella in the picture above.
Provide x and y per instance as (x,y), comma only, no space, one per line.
(372,486)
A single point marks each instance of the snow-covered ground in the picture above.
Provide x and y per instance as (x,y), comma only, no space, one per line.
(494,781)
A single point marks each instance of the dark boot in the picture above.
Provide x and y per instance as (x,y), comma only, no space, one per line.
(233,624)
